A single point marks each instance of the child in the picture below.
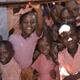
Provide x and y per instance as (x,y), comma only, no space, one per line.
(74,10)
(24,43)
(66,16)
(72,7)
(69,57)
(46,68)
(10,70)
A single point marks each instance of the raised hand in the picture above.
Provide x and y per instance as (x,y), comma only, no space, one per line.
(24,10)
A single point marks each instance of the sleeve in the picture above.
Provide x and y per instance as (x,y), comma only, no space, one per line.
(15,41)
(36,64)
(12,39)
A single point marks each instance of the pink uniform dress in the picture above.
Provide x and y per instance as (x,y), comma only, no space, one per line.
(24,48)
(43,66)
(11,71)
(72,65)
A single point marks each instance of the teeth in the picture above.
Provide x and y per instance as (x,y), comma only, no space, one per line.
(29,28)
(33,16)
(69,39)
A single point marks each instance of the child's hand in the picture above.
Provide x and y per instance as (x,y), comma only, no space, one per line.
(53,74)
(36,7)
(49,21)
(35,75)
(24,10)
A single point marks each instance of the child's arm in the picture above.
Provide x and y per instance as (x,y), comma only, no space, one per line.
(35,55)
(57,72)
(40,18)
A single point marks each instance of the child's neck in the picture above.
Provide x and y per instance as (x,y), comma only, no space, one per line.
(72,51)
(24,35)
(47,56)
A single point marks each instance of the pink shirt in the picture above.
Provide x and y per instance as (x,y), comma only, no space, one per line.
(24,48)
(11,71)
(72,65)
(43,66)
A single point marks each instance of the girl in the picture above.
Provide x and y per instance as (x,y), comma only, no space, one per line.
(10,70)
(44,65)
(24,43)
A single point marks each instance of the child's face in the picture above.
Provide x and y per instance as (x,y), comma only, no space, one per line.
(4,55)
(71,5)
(44,46)
(49,22)
(69,39)
(76,12)
(29,24)
(55,33)
(66,16)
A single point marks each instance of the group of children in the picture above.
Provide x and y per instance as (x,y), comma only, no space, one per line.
(40,52)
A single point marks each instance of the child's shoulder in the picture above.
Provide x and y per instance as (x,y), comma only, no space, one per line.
(12,63)
(14,35)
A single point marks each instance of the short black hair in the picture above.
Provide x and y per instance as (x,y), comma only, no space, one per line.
(22,17)
(8,46)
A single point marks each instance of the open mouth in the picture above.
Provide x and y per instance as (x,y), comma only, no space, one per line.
(28,29)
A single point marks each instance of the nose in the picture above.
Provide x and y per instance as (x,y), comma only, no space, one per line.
(29,24)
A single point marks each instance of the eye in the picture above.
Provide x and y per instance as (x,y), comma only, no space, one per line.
(25,22)
(5,54)
(32,22)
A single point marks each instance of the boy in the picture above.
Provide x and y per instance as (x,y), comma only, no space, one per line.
(69,57)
